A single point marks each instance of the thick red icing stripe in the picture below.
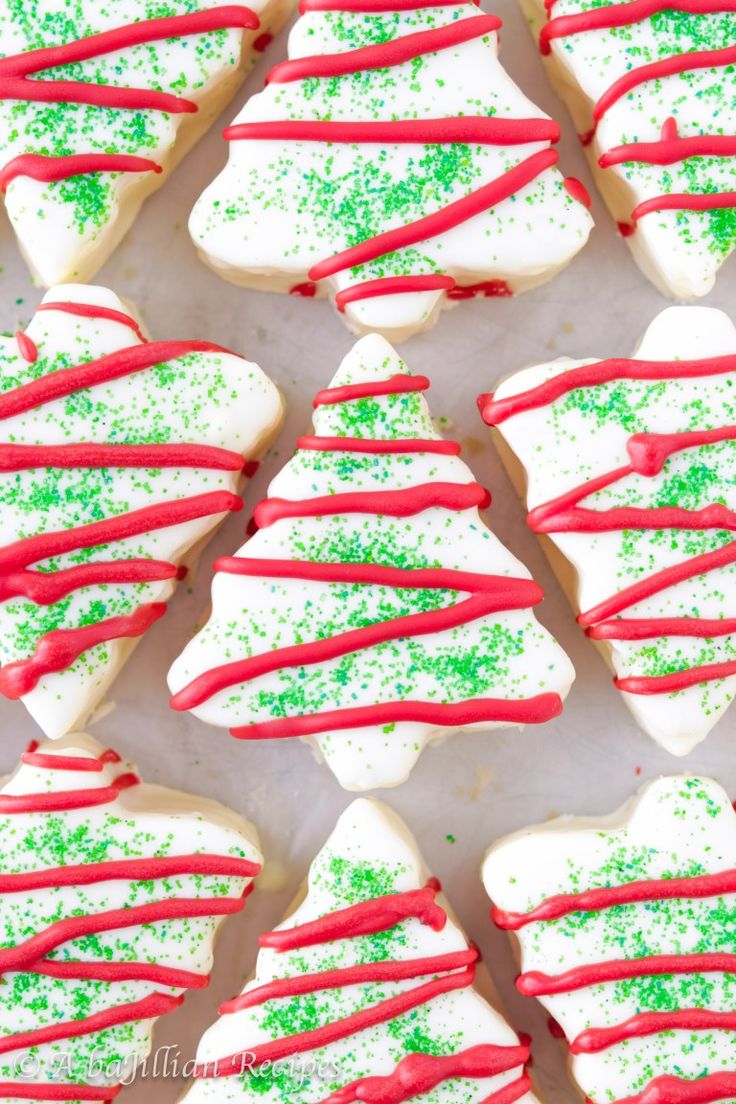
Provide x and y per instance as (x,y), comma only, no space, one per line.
(109,972)
(65,800)
(417,1074)
(400,503)
(52,169)
(332,1032)
(595,1039)
(475,129)
(133,870)
(16,69)
(370,444)
(58,649)
(535,710)
(18,1090)
(14,458)
(677,1090)
(385,54)
(593,900)
(447,218)
(633,628)
(123,362)
(677,680)
(366,973)
(537,984)
(27,347)
(157,1004)
(679,201)
(369,7)
(44,588)
(400,384)
(26,954)
(392,285)
(217,679)
(670,149)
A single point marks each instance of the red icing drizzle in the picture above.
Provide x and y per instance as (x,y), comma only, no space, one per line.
(369,444)
(262,42)
(392,285)
(670,148)
(536,984)
(414,1074)
(17,69)
(648,453)
(593,900)
(370,6)
(133,870)
(305,291)
(652,1023)
(385,54)
(621,15)
(49,169)
(676,1090)
(678,201)
(92,310)
(16,1090)
(475,129)
(15,458)
(489,289)
(45,588)
(395,385)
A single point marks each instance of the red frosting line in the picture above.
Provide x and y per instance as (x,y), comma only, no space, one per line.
(643,1024)
(15,458)
(92,310)
(370,6)
(351,392)
(650,451)
(119,971)
(594,900)
(441,578)
(17,68)
(402,503)
(377,914)
(535,710)
(369,444)
(366,973)
(64,800)
(51,169)
(20,1090)
(621,15)
(536,984)
(577,190)
(27,347)
(133,870)
(676,1090)
(495,411)
(670,149)
(306,290)
(648,628)
(386,54)
(392,285)
(157,1004)
(439,222)
(475,129)
(217,679)
(678,680)
(45,588)
(317,1038)
(28,952)
(14,557)
(417,1074)
(660,580)
(58,649)
(679,201)
(124,362)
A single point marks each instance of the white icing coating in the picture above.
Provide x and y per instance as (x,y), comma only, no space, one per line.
(572,440)
(213,399)
(68,228)
(678,827)
(497,655)
(161,956)
(370,853)
(282,205)
(680,250)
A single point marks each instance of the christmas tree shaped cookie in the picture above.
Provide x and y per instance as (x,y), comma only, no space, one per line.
(99,102)
(652,90)
(118,456)
(111,892)
(625,926)
(366,992)
(393,165)
(630,468)
(373,611)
